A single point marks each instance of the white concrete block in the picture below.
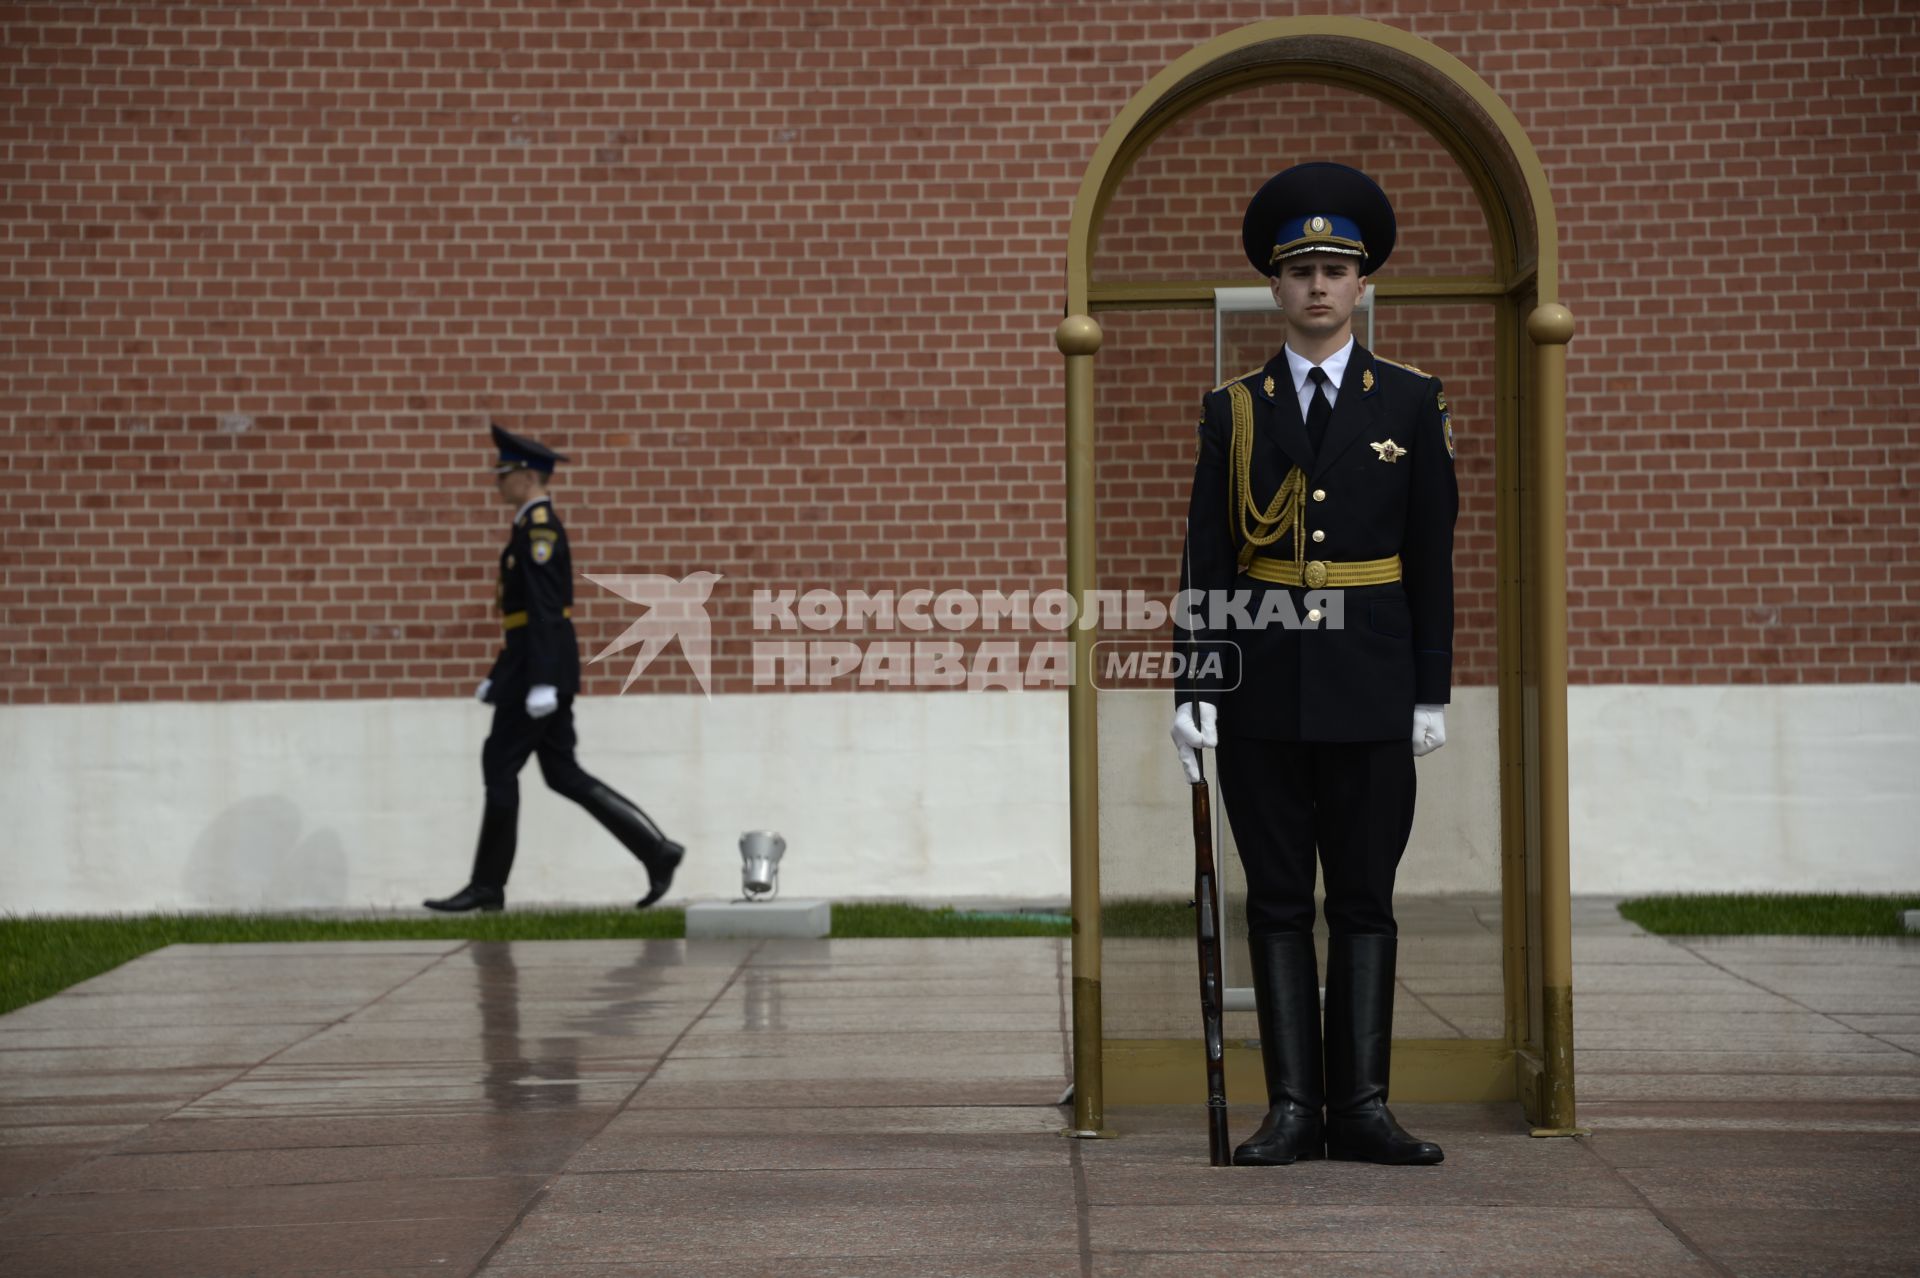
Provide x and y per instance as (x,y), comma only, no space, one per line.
(718,920)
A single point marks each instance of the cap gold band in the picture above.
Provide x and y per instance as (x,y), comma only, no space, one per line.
(1351,248)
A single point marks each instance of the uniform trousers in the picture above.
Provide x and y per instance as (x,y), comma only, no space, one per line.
(1352,801)
(517,736)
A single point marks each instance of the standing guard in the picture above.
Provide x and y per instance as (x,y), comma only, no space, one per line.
(1325,493)
(531,689)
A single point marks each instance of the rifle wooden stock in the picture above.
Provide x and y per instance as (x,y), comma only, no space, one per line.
(1207,930)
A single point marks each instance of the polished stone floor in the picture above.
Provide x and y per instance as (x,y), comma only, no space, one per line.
(885,1107)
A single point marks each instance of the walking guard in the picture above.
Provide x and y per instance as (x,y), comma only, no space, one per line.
(1324,491)
(531,689)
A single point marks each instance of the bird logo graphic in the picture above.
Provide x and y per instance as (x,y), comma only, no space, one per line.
(674,609)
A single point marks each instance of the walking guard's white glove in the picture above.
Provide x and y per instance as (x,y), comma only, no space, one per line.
(484,691)
(542,700)
(1189,737)
(1429,729)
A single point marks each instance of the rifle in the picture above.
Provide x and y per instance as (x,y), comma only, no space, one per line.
(1212,985)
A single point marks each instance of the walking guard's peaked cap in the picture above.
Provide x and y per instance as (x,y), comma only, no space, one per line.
(1318,208)
(520,453)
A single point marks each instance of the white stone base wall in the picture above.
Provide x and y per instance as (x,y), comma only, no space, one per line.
(936,796)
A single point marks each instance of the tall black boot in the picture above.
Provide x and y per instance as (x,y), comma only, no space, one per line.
(1286,991)
(492,862)
(627,823)
(1360,1127)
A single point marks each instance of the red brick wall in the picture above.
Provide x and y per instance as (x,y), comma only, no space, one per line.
(783,279)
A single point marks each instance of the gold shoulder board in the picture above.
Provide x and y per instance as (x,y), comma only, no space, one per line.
(1382,359)
(1237,377)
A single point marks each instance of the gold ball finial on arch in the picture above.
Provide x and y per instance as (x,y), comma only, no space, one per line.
(1078,335)
(1550,325)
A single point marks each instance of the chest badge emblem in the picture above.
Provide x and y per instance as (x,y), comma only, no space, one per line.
(1388,450)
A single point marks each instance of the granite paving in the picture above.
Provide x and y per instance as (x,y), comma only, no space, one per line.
(575,1109)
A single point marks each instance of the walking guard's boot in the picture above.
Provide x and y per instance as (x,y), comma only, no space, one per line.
(627,823)
(660,872)
(1286,991)
(1360,1127)
(470,897)
(492,862)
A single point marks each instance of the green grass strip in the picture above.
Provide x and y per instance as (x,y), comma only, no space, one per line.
(854,919)
(40,955)
(1770,914)
(1146,916)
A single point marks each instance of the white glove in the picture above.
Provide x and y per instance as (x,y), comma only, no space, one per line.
(484,691)
(1187,738)
(1429,729)
(542,700)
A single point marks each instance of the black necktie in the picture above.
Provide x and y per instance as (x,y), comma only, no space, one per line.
(1319,412)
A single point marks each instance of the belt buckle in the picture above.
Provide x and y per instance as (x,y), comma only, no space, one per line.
(1316,574)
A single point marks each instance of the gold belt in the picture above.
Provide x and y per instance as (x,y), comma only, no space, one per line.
(1319,572)
(515,620)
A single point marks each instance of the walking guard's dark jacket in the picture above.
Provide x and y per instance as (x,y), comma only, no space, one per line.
(535,595)
(1380,490)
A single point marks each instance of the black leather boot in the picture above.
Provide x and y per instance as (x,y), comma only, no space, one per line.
(1360,1127)
(470,897)
(660,872)
(1286,991)
(627,823)
(492,862)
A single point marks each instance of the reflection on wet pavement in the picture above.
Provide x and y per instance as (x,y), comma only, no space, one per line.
(877,1107)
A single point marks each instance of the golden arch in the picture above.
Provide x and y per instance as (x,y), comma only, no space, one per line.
(1464,114)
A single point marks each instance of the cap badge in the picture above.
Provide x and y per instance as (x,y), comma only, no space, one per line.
(1317,226)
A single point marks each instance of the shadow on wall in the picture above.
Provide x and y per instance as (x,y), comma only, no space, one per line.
(253,856)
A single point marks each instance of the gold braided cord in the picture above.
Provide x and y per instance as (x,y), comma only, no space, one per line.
(1286,514)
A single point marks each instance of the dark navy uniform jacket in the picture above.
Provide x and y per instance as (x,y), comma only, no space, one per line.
(1395,646)
(535,596)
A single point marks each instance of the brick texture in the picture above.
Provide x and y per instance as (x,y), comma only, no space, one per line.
(783,279)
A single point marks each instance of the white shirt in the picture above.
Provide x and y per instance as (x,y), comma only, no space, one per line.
(1335,366)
